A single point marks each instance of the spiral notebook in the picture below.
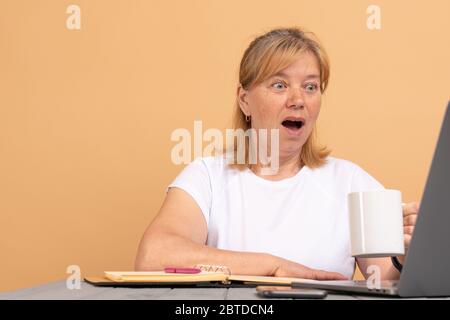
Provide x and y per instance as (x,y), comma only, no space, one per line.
(217,276)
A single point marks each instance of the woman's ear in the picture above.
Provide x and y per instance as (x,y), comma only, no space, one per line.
(242,96)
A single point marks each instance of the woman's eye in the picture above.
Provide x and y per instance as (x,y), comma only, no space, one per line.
(311,87)
(279,85)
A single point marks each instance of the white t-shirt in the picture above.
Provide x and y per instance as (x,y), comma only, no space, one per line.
(302,218)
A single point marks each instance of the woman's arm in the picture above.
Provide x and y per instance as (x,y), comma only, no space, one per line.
(177,237)
(386,268)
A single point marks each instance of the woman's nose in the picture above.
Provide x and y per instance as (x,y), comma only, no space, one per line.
(296,100)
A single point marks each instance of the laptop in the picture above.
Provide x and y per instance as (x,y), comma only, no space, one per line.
(426,271)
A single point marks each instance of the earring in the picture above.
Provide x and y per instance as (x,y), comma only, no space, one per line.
(247,118)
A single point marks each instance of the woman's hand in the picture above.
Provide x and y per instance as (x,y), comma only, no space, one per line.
(410,213)
(286,268)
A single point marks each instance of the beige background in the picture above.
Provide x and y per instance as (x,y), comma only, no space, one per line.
(86,115)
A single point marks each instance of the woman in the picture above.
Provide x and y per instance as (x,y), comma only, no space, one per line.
(292,223)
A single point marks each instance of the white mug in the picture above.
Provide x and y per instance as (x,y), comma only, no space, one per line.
(376,223)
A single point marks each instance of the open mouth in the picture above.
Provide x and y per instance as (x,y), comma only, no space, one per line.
(293,124)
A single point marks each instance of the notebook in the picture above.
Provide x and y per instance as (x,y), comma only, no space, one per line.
(217,278)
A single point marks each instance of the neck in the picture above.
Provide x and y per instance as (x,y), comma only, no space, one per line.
(288,167)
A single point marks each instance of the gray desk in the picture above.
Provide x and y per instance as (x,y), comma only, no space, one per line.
(57,290)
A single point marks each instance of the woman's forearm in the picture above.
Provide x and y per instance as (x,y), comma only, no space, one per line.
(158,251)
(386,269)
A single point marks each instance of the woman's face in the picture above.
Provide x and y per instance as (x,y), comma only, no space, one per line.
(288,101)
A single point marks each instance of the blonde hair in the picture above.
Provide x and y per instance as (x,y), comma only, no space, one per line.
(269,54)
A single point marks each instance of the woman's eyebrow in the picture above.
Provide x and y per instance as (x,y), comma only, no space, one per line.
(284,75)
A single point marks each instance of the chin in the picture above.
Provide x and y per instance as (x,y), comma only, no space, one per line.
(291,147)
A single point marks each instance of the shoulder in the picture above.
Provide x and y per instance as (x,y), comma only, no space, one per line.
(212,167)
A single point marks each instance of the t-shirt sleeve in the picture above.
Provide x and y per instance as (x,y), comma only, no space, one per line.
(195,180)
(363,181)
